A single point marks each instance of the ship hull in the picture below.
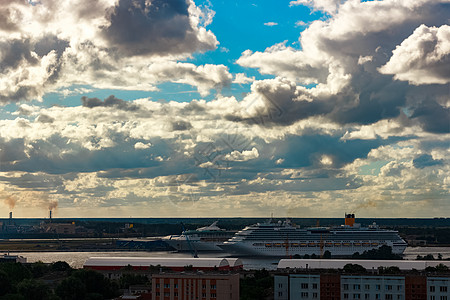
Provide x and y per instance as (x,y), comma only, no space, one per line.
(248,249)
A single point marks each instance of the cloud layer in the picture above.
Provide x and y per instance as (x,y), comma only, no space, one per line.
(353,116)
(47,46)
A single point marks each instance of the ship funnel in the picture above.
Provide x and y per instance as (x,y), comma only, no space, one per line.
(350,219)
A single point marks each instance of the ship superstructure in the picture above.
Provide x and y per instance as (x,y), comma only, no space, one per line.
(201,239)
(285,239)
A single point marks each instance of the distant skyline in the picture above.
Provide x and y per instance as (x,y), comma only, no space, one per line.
(174,108)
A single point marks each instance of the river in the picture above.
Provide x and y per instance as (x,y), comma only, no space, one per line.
(77,259)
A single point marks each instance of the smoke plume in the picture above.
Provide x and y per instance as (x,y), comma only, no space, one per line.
(10,201)
(52,205)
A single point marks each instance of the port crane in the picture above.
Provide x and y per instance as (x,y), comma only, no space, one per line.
(191,248)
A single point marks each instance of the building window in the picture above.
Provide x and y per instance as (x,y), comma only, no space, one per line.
(157,285)
(388,297)
(345,296)
(432,298)
(356,296)
(377,287)
(377,296)
(213,295)
(213,287)
(399,287)
(367,287)
(399,297)
(304,294)
(204,295)
(314,286)
(280,294)
(304,285)
(204,286)
(175,294)
(389,287)
(443,298)
(443,289)
(356,287)
(432,288)
(175,285)
(367,296)
(315,296)
(166,285)
(280,285)
(345,287)
(157,293)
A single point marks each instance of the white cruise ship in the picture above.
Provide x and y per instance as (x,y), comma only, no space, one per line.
(202,239)
(283,239)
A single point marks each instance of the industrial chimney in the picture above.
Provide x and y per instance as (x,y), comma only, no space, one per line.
(50,215)
(10,215)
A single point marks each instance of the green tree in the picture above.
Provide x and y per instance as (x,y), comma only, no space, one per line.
(38,269)
(95,282)
(13,297)
(258,286)
(71,288)
(33,289)
(130,279)
(326,255)
(5,283)
(60,266)
(389,270)
(354,268)
(16,272)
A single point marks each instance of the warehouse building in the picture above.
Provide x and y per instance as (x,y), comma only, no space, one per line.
(115,267)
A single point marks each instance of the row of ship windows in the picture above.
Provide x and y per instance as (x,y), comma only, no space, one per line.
(269,245)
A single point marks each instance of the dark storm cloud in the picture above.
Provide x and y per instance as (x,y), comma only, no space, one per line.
(43,156)
(111,101)
(433,117)
(281,106)
(24,92)
(369,96)
(11,151)
(41,182)
(25,53)
(193,108)
(45,119)
(377,98)
(181,125)
(49,43)
(307,150)
(15,52)
(426,160)
(141,27)
(6,23)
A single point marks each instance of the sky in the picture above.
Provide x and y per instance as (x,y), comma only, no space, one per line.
(210,108)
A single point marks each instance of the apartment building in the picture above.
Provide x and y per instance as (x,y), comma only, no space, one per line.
(179,286)
(334,286)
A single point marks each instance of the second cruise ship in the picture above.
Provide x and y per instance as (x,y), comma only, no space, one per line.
(283,239)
